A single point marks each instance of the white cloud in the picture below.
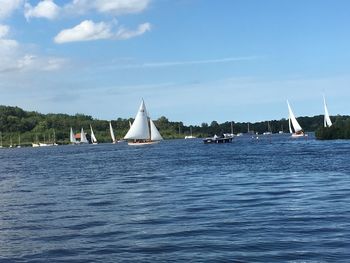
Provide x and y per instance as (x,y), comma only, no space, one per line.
(121,6)
(7,7)
(46,9)
(124,33)
(115,7)
(89,30)
(15,57)
(4,30)
(86,30)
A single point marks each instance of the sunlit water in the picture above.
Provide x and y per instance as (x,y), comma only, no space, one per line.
(269,200)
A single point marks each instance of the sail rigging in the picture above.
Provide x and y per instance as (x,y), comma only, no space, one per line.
(83,138)
(327,120)
(293,121)
(111,132)
(72,137)
(93,137)
(143,128)
(155,135)
(139,130)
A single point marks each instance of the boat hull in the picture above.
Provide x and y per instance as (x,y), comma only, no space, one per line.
(217,140)
(142,143)
(298,135)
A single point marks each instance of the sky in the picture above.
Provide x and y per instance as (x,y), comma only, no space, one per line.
(190,60)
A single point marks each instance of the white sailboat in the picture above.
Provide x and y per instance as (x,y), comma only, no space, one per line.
(190,136)
(143,131)
(72,138)
(83,138)
(327,120)
(269,130)
(93,137)
(294,125)
(112,133)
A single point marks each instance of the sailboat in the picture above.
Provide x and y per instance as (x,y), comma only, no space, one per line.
(36,143)
(93,137)
(83,138)
(143,131)
(293,124)
(327,120)
(72,137)
(19,141)
(112,133)
(269,130)
(190,136)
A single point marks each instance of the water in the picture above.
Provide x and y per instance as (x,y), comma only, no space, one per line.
(268,200)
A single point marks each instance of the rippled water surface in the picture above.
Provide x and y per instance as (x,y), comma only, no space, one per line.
(267,200)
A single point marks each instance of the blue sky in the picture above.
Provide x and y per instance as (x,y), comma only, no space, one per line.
(191,60)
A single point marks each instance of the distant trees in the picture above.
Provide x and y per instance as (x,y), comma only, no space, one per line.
(34,126)
(339,130)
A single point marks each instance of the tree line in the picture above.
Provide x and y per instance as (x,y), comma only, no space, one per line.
(339,130)
(30,126)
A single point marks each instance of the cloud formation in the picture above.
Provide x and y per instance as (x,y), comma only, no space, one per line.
(45,9)
(14,56)
(187,62)
(124,33)
(85,31)
(89,30)
(7,7)
(116,7)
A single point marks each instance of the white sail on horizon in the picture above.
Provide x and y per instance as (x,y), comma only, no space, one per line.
(72,137)
(327,120)
(139,129)
(155,135)
(83,138)
(293,121)
(93,137)
(111,132)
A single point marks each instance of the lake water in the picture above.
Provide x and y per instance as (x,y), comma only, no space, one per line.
(269,200)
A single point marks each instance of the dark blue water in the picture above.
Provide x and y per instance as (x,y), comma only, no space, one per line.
(268,200)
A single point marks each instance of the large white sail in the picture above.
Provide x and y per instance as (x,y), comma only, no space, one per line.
(111,131)
(139,130)
(72,137)
(294,121)
(155,135)
(327,120)
(83,138)
(93,137)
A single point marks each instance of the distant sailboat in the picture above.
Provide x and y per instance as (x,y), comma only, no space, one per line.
(83,138)
(143,131)
(269,130)
(190,136)
(72,138)
(36,143)
(19,141)
(327,120)
(112,133)
(93,137)
(293,124)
